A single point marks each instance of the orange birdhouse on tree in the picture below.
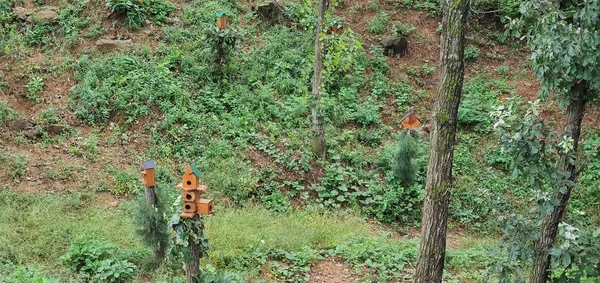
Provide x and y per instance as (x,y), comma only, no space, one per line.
(193,204)
(148,173)
(410,120)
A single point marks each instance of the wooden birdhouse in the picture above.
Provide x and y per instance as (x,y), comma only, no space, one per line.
(190,179)
(221,20)
(192,203)
(148,173)
(205,206)
(335,27)
(410,121)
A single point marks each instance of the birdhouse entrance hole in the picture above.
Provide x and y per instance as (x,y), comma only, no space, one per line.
(187,206)
(188,197)
(188,183)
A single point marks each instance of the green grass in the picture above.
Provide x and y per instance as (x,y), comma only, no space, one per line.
(36,229)
(231,232)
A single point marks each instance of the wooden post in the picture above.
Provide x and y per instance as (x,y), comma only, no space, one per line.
(150,183)
(193,207)
(192,266)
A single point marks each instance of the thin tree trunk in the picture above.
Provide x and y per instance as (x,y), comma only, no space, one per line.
(319,146)
(192,266)
(430,265)
(151,199)
(150,196)
(541,264)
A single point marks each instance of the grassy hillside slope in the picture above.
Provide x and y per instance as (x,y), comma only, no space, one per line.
(78,118)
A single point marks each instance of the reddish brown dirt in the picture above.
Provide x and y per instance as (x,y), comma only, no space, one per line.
(333,270)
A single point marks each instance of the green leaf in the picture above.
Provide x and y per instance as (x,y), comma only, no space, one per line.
(566,260)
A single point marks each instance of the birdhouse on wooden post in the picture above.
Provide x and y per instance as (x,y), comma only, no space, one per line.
(193,204)
(410,120)
(221,20)
(148,173)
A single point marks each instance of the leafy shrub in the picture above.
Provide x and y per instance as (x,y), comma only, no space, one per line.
(587,195)
(371,137)
(12,273)
(427,70)
(402,28)
(38,35)
(124,183)
(49,116)
(72,21)
(136,13)
(220,277)
(386,258)
(393,203)
(128,85)
(477,103)
(277,201)
(367,114)
(14,163)
(97,259)
(503,70)
(230,177)
(34,86)
(294,266)
(378,22)
(341,56)
(6,113)
(471,53)
(223,44)
(303,14)
(111,270)
(5,11)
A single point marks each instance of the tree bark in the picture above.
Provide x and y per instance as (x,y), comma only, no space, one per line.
(192,266)
(432,249)
(150,196)
(318,144)
(151,199)
(575,111)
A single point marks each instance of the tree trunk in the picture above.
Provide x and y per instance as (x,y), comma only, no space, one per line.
(430,265)
(575,111)
(192,266)
(318,144)
(151,199)
(150,196)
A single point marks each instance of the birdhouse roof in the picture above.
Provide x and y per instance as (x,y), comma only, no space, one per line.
(220,14)
(148,164)
(193,170)
(408,115)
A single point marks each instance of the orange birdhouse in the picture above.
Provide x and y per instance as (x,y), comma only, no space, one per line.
(205,206)
(410,121)
(221,20)
(148,173)
(335,28)
(192,203)
(190,179)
